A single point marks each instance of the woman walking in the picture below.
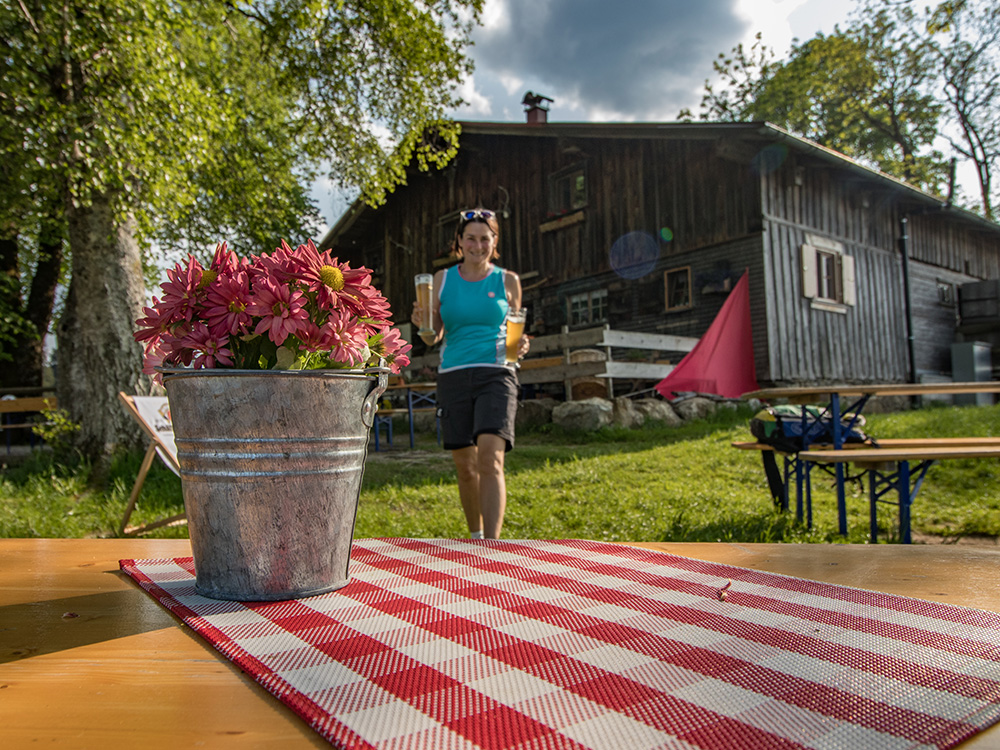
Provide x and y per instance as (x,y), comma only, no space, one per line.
(476,387)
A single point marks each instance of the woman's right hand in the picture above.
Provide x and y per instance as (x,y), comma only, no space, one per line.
(428,337)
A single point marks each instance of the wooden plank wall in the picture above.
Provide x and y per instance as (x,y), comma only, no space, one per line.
(725,210)
(634,185)
(868,343)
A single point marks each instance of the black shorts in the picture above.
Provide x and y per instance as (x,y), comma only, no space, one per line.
(474,401)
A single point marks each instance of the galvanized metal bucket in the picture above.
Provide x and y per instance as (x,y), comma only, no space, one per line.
(271,467)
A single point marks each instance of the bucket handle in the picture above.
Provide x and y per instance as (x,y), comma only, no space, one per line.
(370,405)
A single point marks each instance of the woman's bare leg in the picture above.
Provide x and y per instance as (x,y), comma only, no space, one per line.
(467,467)
(492,499)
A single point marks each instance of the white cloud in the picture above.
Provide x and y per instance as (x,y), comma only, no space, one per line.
(476,104)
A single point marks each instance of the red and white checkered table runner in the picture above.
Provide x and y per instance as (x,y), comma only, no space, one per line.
(575,644)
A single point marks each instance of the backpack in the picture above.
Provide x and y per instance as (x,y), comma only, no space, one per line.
(789,429)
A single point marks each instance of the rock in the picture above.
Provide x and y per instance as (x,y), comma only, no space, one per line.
(658,410)
(423,421)
(590,414)
(624,414)
(698,407)
(534,413)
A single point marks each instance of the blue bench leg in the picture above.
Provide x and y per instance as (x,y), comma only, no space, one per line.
(905,500)
(873,495)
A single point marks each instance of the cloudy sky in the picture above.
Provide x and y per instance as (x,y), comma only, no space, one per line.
(614,60)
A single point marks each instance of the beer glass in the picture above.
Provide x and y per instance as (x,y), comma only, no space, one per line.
(424,282)
(515,328)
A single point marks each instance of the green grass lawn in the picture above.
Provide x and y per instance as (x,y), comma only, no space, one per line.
(652,484)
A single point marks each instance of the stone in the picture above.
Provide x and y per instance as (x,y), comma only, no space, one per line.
(697,407)
(589,415)
(658,410)
(423,421)
(534,413)
(624,414)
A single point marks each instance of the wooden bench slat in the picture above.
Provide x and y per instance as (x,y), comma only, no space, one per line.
(34,403)
(947,442)
(878,455)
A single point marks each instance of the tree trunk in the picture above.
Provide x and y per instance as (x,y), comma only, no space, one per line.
(28,351)
(97,356)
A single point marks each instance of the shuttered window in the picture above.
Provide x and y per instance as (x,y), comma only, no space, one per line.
(677,288)
(828,274)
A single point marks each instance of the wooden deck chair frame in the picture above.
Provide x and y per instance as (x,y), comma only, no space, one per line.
(156,447)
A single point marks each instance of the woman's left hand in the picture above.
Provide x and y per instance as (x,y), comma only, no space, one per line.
(522,350)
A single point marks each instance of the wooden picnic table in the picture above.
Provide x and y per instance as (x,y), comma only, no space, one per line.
(831,394)
(420,397)
(89,660)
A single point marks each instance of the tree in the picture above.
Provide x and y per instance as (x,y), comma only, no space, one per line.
(861,91)
(967,45)
(155,119)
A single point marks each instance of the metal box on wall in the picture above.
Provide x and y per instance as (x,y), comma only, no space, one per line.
(971,361)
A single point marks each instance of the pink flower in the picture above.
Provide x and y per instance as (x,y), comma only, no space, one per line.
(154,325)
(226,303)
(279,266)
(209,349)
(181,291)
(307,302)
(345,339)
(373,310)
(280,308)
(335,283)
(153,358)
(224,261)
(393,349)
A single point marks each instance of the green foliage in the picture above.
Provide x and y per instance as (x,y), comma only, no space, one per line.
(652,484)
(206,120)
(13,325)
(58,431)
(863,91)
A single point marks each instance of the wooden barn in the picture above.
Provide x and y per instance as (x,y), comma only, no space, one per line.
(646,227)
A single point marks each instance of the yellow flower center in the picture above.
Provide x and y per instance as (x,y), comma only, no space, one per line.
(207,277)
(332,277)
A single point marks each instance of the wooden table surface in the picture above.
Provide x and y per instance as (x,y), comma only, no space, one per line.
(874,389)
(89,660)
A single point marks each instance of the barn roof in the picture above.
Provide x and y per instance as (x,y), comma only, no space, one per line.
(358,218)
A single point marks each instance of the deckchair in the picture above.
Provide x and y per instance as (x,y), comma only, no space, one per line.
(153,415)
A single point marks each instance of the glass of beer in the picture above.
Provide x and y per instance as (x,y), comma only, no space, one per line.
(515,328)
(424,282)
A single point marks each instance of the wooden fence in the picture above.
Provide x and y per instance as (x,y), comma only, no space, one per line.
(619,348)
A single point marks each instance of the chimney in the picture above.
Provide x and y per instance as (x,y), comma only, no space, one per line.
(534,107)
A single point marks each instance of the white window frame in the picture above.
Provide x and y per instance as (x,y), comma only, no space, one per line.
(836,289)
(666,288)
(590,307)
(568,190)
(946,293)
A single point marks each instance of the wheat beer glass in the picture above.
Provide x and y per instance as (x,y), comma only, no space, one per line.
(424,282)
(515,328)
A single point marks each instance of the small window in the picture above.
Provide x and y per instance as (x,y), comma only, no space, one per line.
(946,293)
(568,190)
(677,288)
(829,284)
(588,308)
(828,274)
(445,234)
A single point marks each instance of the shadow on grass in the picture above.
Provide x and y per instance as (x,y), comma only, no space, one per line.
(768,525)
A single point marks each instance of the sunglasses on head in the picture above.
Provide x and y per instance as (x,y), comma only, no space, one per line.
(478,213)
